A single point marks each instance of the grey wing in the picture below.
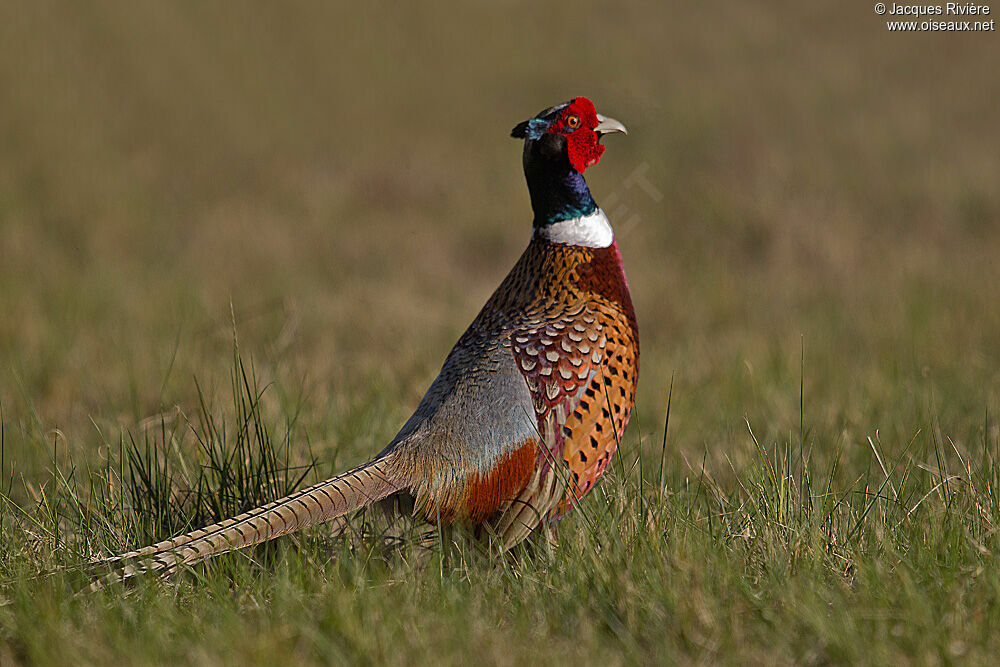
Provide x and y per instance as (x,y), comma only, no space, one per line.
(476,412)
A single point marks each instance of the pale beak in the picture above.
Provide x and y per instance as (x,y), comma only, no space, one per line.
(607,125)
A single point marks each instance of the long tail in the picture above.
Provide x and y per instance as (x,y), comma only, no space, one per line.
(321,502)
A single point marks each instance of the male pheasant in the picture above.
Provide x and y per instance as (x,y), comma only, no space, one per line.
(531,402)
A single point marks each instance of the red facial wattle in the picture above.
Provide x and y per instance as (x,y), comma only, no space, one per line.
(582,145)
(583,149)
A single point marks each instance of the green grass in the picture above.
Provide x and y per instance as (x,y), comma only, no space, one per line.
(861,558)
(814,266)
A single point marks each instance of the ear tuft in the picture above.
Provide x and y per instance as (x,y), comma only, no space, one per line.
(531,129)
(520,130)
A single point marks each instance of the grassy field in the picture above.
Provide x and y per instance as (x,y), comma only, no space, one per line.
(809,211)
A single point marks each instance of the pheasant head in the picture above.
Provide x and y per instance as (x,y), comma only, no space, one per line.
(570,131)
(559,144)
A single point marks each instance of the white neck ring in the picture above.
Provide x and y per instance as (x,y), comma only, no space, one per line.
(591,231)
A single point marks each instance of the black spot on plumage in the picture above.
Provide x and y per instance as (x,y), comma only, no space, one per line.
(593,442)
(583,457)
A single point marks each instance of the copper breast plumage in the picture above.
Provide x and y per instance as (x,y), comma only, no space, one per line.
(575,340)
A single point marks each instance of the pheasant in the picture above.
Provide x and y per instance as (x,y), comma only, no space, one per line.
(530,404)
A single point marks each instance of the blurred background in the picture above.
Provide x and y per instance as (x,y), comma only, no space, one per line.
(338,181)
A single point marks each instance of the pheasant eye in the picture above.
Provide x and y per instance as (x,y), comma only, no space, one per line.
(573,121)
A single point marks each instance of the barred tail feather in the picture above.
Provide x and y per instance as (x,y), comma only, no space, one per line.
(316,504)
